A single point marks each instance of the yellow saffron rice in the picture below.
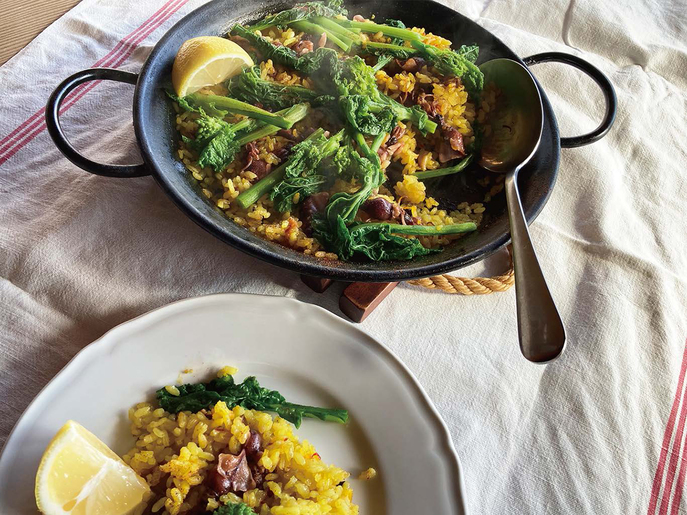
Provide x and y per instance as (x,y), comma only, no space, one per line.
(174,454)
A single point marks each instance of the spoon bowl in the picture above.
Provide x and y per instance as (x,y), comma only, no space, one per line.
(516,125)
(511,137)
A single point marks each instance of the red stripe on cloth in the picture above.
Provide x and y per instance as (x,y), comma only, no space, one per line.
(680,481)
(124,50)
(102,61)
(658,476)
(674,457)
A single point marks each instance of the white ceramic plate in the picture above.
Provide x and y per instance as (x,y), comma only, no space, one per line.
(305,352)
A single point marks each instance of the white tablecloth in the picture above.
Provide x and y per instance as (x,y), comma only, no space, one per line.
(600,431)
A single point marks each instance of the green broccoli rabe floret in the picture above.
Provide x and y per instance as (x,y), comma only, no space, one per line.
(381,241)
(337,230)
(448,62)
(357,78)
(249,86)
(220,149)
(276,176)
(301,11)
(215,140)
(302,175)
(361,102)
(451,63)
(248,394)
(306,63)
(218,142)
(330,227)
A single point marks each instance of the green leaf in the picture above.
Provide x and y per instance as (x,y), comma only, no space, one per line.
(220,150)
(470,52)
(237,508)
(376,242)
(398,24)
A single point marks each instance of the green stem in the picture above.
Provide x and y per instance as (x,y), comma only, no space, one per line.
(360,140)
(394,32)
(243,124)
(440,172)
(292,115)
(431,126)
(391,47)
(237,107)
(337,29)
(313,28)
(377,142)
(333,143)
(431,230)
(388,49)
(346,23)
(265,185)
(324,414)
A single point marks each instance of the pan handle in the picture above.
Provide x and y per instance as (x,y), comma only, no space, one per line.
(52,120)
(599,78)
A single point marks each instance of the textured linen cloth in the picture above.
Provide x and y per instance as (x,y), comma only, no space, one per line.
(600,431)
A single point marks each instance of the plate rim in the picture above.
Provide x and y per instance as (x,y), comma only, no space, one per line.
(106,339)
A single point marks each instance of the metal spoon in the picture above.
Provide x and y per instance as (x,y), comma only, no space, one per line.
(516,128)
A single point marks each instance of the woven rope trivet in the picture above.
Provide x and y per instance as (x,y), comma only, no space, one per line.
(466,286)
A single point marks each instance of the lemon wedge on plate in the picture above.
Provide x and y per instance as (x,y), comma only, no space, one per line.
(80,475)
(206,61)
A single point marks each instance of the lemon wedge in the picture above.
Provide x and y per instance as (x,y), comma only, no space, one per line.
(80,475)
(206,61)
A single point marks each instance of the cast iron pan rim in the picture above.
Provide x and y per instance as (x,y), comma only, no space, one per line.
(297,263)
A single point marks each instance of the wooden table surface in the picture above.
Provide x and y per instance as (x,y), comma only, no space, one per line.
(23,20)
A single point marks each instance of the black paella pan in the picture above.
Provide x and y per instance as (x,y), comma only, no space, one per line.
(154,122)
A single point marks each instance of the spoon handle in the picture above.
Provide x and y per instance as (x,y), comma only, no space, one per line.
(540,328)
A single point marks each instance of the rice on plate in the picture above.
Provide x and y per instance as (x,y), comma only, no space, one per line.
(186,457)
